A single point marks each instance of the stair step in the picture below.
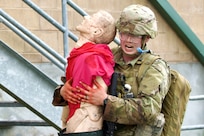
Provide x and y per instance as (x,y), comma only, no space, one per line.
(5,123)
(28,85)
(23,123)
(10,104)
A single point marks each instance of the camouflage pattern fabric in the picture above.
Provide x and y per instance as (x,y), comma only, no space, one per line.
(175,103)
(137,20)
(144,109)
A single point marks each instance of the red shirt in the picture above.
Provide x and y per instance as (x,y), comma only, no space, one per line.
(87,62)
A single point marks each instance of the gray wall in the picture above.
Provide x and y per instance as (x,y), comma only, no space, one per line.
(194,72)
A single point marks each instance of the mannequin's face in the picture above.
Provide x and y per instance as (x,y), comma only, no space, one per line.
(89,24)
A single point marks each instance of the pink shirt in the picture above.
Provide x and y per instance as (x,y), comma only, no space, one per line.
(87,62)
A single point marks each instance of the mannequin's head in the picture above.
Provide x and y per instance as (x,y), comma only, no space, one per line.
(98,28)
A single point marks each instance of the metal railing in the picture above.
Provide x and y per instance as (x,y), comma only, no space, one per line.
(51,54)
(196,98)
(16,104)
(194,127)
(33,40)
(21,103)
(63,28)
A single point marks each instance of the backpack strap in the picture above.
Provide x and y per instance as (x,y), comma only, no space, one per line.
(147,60)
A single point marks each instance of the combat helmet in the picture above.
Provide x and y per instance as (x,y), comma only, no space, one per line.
(137,20)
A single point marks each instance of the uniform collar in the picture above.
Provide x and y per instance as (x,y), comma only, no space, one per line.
(119,59)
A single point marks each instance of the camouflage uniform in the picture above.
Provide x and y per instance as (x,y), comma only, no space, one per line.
(140,115)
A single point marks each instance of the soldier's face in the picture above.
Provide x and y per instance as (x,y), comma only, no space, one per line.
(129,43)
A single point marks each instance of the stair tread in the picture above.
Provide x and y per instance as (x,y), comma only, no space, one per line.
(10,104)
(23,123)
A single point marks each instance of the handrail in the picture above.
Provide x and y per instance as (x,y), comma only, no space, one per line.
(196,98)
(24,33)
(193,127)
(32,36)
(29,107)
(25,37)
(64,20)
(76,8)
(55,23)
(50,19)
(65,24)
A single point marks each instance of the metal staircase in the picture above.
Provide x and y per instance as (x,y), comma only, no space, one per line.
(29,86)
(15,104)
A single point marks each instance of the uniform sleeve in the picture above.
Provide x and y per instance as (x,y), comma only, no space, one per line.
(147,105)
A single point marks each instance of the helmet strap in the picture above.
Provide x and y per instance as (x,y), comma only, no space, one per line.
(143,46)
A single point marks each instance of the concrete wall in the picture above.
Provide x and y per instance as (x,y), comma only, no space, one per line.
(167,44)
(193,72)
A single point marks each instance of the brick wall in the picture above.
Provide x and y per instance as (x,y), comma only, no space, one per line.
(167,43)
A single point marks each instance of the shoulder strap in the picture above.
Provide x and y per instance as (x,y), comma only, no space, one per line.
(147,60)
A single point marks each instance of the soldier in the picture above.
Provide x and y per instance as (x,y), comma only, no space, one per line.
(137,109)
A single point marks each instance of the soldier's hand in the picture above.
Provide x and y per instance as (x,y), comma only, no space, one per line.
(67,92)
(91,95)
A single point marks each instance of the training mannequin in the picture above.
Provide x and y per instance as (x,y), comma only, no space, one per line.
(91,59)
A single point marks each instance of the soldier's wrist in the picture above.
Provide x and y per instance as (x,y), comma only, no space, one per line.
(58,100)
(105,101)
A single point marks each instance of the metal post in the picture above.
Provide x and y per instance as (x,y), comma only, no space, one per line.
(64,23)
(32,43)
